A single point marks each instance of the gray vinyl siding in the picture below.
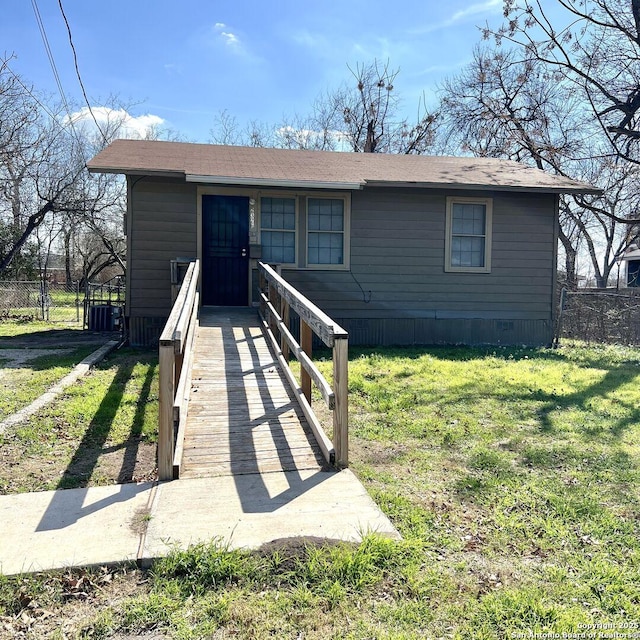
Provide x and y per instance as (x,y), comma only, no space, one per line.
(162,226)
(398,292)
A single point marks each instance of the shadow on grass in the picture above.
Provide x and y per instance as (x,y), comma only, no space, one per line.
(611,382)
(599,356)
(68,359)
(620,371)
(92,445)
(450,353)
(133,441)
(55,338)
(68,507)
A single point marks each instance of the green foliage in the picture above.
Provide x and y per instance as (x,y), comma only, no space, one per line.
(28,381)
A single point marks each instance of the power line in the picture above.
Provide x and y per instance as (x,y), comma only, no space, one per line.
(47,47)
(52,62)
(75,61)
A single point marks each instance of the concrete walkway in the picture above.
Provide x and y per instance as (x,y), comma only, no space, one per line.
(141,522)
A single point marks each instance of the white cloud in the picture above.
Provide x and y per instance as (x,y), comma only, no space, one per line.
(128,126)
(474,10)
(310,40)
(490,6)
(229,38)
(173,69)
(310,139)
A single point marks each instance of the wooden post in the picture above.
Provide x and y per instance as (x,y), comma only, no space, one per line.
(341,410)
(306,342)
(166,397)
(272,299)
(262,285)
(284,314)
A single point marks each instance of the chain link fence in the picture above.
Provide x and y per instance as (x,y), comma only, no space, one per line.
(600,315)
(40,300)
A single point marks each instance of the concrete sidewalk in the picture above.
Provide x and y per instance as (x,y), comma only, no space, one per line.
(141,522)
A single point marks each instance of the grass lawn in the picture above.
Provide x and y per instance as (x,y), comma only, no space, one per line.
(21,384)
(16,328)
(101,430)
(512,474)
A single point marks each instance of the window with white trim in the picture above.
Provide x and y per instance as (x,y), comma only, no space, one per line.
(326,227)
(278,230)
(468,235)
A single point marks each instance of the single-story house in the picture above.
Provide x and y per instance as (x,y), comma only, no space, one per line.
(398,249)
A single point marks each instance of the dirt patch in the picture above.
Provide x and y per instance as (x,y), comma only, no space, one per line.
(67,602)
(70,338)
(15,358)
(65,466)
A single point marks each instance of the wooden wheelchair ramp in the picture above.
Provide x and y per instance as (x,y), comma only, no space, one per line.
(242,416)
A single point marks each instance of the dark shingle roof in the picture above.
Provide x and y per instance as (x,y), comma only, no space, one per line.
(220,164)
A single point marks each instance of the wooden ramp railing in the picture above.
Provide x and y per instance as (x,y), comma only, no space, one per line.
(176,358)
(277,298)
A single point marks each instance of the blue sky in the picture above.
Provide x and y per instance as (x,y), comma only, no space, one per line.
(184,62)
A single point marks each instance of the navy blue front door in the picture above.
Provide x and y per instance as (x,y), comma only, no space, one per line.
(225,250)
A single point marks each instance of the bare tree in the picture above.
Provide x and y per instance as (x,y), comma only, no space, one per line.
(595,46)
(362,115)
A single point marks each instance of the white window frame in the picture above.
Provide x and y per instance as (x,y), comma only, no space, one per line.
(295,231)
(346,232)
(488,225)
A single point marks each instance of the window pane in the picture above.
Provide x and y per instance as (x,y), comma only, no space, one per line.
(289,220)
(325,214)
(278,213)
(467,252)
(313,222)
(326,248)
(278,246)
(468,219)
(325,222)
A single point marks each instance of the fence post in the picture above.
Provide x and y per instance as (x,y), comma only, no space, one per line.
(563,302)
(341,410)
(77,300)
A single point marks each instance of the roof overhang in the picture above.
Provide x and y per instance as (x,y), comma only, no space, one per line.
(586,189)
(135,172)
(271,182)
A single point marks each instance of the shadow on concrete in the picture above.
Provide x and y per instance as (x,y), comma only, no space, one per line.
(68,506)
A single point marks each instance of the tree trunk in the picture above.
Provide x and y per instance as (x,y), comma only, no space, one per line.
(35,220)
(570,256)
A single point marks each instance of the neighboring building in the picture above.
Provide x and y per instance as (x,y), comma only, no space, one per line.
(397,249)
(631,258)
